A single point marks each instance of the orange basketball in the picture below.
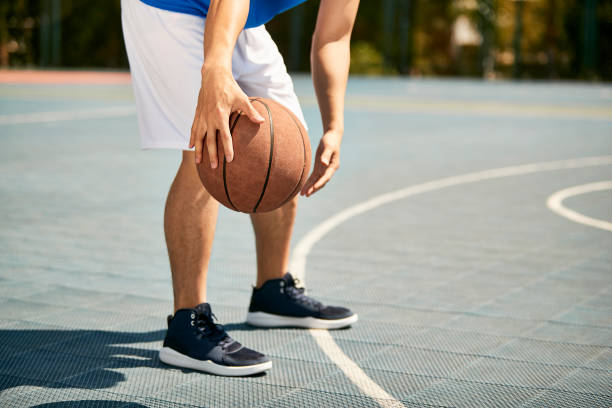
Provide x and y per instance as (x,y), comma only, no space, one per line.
(271,160)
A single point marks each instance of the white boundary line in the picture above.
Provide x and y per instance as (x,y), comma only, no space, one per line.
(305,245)
(58,116)
(555,203)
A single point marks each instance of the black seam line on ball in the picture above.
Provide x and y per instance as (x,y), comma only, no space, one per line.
(263,190)
(303,167)
(225,164)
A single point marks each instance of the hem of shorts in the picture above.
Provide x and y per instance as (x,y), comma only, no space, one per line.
(170,146)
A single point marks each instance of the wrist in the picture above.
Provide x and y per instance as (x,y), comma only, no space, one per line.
(336,129)
(217,66)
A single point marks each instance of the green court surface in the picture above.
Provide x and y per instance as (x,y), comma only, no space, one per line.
(479,279)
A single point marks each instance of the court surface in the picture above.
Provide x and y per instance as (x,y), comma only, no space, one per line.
(478,280)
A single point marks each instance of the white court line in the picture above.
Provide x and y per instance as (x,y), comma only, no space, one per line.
(74,114)
(304,246)
(555,203)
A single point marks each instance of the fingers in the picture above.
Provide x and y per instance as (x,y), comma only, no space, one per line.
(322,172)
(197,140)
(322,181)
(317,181)
(226,140)
(251,112)
(218,129)
(198,128)
(211,145)
(326,156)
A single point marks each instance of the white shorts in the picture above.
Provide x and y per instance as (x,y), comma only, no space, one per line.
(165,50)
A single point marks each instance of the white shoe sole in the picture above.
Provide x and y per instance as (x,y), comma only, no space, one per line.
(174,358)
(262,319)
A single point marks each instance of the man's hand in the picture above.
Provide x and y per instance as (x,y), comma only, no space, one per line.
(327,161)
(219,96)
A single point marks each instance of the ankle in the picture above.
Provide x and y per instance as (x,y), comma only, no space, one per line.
(187,303)
(263,278)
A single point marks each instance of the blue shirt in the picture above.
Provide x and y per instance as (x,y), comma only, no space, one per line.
(260,11)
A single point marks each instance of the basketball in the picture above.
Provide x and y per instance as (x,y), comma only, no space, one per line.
(271,161)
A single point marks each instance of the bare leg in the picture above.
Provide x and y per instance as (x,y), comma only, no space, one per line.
(189,225)
(273,240)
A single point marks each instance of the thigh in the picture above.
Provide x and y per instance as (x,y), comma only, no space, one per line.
(260,70)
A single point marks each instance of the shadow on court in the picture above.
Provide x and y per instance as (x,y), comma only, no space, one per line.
(74,358)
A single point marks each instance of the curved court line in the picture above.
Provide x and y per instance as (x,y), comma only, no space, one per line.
(298,260)
(555,203)
(58,116)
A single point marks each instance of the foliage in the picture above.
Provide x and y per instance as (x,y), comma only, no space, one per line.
(390,37)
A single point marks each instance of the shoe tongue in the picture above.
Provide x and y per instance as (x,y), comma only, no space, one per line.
(288,278)
(203,308)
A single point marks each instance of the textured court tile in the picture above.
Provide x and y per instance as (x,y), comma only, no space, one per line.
(600,301)
(407,316)
(82,318)
(561,399)
(110,345)
(447,300)
(142,324)
(17,309)
(214,391)
(379,292)
(61,396)
(305,348)
(47,366)
(309,398)
(519,374)
(336,383)
(29,335)
(524,308)
(587,381)
(19,289)
(50,277)
(584,315)
(137,304)
(132,377)
(602,361)
(267,341)
(12,386)
(547,352)
(293,373)
(134,286)
(566,333)
(496,326)
(399,385)
(455,341)
(71,297)
(415,361)
(453,393)
(380,332)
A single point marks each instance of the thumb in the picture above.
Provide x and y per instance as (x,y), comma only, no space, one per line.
(251,112)
(326,156)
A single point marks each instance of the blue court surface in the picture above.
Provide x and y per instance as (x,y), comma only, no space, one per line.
(469,226)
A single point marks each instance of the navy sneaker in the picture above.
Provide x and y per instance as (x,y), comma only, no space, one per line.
(281,303)
(195,341)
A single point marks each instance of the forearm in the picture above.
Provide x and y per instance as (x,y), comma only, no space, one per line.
(330,59)
(219,94)
(330,65)
(224,22)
